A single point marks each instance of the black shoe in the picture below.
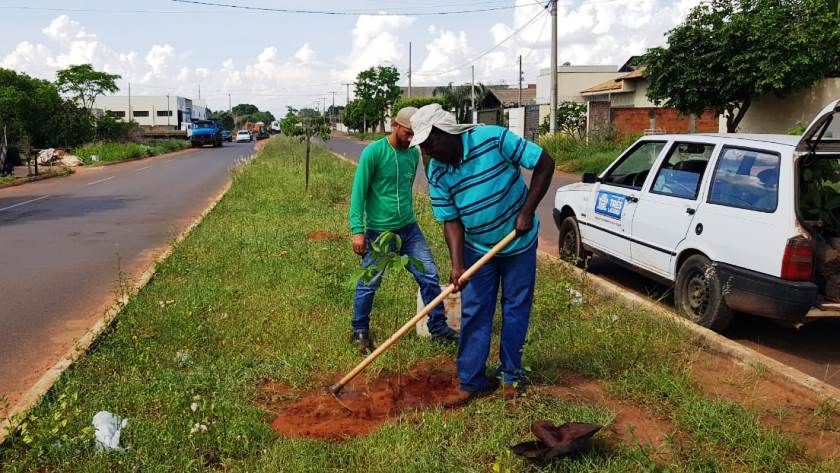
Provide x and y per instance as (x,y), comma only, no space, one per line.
(362,341)
(447,335)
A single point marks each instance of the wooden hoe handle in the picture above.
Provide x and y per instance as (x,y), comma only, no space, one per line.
(337,387)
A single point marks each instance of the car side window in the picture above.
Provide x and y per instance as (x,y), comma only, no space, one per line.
(682,171)
(746,179)
(634,168)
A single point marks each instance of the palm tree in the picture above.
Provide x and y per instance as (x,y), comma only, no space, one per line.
(459,99)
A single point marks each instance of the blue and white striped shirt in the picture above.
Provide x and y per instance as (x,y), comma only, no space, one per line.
(486,192)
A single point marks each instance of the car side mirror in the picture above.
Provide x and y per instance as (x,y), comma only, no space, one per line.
(589,178)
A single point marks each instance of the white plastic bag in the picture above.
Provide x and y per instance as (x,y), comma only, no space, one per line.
(108,428)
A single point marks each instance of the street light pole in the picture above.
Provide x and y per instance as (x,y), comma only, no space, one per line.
(409,68)
(552,126)
(472,90)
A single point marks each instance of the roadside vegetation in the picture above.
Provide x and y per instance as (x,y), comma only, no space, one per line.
(250,298)
(107,152)
(575,155)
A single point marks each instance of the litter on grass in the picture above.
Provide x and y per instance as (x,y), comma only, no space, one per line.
(108,429)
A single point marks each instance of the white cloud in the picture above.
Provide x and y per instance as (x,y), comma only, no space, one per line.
(158,58)
(305,54)
(62,28)
(375,42)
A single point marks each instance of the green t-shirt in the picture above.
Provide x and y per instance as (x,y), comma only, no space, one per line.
(382,190)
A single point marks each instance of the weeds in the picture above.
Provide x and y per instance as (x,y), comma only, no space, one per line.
(242,301)
(579,156)
(106,152)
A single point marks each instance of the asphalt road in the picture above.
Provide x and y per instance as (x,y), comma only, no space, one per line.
(811,348)
(66,243)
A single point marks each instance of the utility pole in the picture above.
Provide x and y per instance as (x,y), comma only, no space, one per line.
(348,84)
(325,110)
(552,117)
(129,103)
(409,68)
(199,92)
(230,109)
(332,112)
(519,104)
(472,94)
(168,110)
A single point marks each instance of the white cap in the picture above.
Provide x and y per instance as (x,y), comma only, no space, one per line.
(434,115)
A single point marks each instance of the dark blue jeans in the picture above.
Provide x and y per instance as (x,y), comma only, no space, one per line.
(413,244)
(517,275)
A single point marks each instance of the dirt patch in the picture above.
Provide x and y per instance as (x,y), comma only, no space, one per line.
(362,407)
(631,424)
(813,423)
(323,235)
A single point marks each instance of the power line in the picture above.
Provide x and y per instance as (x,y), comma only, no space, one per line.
(486,52)
(346,13)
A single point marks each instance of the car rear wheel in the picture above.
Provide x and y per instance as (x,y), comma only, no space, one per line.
(570,246)
(698,293)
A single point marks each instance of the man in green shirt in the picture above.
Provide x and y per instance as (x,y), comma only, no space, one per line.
(382,201)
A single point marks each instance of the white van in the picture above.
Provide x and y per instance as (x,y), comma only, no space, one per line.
(734,222)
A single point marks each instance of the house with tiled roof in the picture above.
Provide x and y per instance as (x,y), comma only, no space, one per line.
(621,103)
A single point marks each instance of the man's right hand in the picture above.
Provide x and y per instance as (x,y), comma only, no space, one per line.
(455,278)
(359,244)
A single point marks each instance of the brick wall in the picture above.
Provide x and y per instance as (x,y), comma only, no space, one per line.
(630,121)
(671,121)
(707,123)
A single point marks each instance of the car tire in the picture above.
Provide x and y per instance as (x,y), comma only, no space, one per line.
(570,248)
(699,294)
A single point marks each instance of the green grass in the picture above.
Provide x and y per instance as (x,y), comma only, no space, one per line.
(578,156)
(7,178)
(368,136)
(109,152)
(250,299)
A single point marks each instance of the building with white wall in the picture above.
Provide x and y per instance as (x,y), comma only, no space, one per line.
(151,110)
(571,80)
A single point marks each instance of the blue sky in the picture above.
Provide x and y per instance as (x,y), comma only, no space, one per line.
(279,59)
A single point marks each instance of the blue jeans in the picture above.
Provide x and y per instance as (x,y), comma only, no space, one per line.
(413,244)
(517,275)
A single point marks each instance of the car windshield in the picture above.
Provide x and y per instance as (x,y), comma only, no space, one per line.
(243,133)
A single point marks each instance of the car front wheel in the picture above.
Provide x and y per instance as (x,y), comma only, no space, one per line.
(570,245)
(699,294)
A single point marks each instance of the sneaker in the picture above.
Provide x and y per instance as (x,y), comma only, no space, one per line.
(447,335)
(362,342)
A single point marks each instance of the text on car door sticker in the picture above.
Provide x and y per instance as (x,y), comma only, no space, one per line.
(609,204)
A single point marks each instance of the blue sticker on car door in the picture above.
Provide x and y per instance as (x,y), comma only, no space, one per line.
(609,204)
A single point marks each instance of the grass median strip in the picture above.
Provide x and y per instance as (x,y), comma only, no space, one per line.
(107,152)
(250,300)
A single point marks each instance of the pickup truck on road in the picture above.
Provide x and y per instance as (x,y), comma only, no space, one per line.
(734,222)
(206,132)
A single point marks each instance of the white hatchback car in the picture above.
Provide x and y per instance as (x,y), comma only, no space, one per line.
(243,136)
(721,217)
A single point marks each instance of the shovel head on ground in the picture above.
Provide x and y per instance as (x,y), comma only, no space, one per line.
(556,441)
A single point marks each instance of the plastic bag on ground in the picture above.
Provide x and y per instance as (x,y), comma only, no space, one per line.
(108,428)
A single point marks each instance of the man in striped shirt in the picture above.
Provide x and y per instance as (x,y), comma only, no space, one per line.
(477,190)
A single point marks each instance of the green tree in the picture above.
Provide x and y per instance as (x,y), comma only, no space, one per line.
(244,109)
(83,83)
(571,120)
(377,90)
(458,99)
(415,102)
(354,115)
(225,119)
(305,124)
(728,52)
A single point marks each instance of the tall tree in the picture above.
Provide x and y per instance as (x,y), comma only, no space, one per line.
(377,90)
(459,99)
(244,109)
(83,83)
(728,52)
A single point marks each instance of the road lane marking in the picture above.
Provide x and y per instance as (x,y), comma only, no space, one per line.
(24,202)
(147,167)
(101,180)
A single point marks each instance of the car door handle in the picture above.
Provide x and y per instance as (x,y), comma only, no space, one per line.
(632,199)
(690,211)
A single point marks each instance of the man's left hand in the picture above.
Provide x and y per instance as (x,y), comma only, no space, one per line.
(524,223)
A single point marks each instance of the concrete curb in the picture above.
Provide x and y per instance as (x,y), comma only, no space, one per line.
(33,395)
(702,336)
(706,338)
(27,180)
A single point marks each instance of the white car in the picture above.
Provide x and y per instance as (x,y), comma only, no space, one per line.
(728,220)
(243,136)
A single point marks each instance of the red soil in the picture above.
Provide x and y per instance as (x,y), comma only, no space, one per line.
(323,235)
(363,407)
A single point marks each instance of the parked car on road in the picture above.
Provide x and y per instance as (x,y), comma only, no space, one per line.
(733,222)
(243,136)
(227,135)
